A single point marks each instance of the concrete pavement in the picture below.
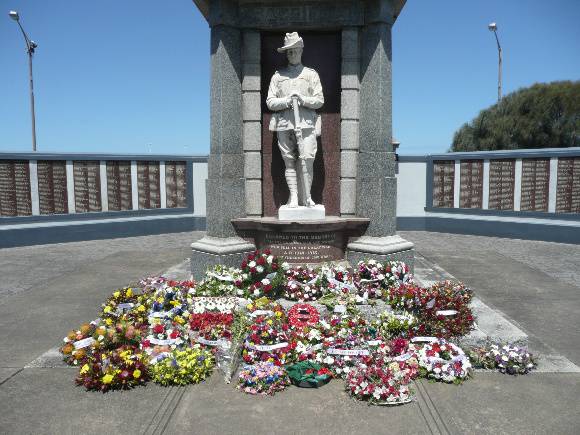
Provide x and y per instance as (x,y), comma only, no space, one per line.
(47,290)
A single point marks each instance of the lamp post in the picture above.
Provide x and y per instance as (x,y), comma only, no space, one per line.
(30,47)
(493,28)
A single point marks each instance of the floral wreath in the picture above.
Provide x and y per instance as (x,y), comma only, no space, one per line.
(263,378)
(445,361)
(301,315)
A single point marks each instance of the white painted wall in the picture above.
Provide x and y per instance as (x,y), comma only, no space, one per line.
(411,182)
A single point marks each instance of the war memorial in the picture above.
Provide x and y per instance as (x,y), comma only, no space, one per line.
(299,303)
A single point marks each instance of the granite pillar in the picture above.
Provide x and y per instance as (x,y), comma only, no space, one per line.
(226,185)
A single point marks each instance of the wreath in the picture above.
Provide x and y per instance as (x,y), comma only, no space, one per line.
(445,361)
(302,315)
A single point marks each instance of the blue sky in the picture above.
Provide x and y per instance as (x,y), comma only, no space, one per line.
(132,76)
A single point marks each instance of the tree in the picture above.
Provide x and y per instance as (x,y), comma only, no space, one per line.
(545,115)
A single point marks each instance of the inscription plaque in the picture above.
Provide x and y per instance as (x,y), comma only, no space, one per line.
(471,185)
(535,184)
(443,183)
(175,184)
(568,187)
(148,184)
(119,185)
(15,188)
(87,178)
(52,191)
(501,184)
(304,248)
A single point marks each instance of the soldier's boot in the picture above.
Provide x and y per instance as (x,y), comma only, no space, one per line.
(290,174)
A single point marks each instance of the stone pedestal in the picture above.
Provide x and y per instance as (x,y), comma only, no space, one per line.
(286,213)
(209,251)
(305,242)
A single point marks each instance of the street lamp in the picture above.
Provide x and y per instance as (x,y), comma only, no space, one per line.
(30,47)
(493,28)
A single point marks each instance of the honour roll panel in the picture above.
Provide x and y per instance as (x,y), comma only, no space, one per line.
(15,188)
(87,182)
(471,185)
(535,184)
(568,188)
(119,185)
(148,184)
(175,184)
(52,191)
(501,184)
(443,183)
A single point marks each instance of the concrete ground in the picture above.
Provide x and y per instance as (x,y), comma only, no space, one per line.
(47,290)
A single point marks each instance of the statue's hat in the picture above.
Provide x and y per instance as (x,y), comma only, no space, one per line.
(291,40)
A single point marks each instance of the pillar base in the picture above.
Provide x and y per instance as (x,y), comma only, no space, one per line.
(389,248)
(210,251)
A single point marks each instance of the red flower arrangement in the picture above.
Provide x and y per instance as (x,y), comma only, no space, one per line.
(304,284)
(262,275)
(301,315)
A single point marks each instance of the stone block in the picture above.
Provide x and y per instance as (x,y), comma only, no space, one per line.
(226,166)
(347,197)
(376,199)
(253,165)
(350,43)
(376,164)
(252,136)
(253,197)
(210,251)
(226,201)
(251,77)
(251,46)
(301,213)
(349,74)
(407,256)
(349,104)
(348,164)
(349,130)
(251,106)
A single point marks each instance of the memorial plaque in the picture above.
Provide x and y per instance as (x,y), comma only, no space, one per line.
(501,184)
(535,184)
(52,191)
(304,248)
(471,185)
(443,183)
(175,184)
(568,188)
(148,185)
(87,178)
(15,188)
(119,185)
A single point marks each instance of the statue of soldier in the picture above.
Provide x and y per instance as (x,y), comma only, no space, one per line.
(302,85)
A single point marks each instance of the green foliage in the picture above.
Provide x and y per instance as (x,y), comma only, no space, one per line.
(545,115)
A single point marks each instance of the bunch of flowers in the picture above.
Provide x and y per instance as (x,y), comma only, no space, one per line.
(445,361)
(308,341)
(304,284)
(407,297)
(124,304)
(509,359)
(399,351)
(221,281)
(210,327)
(369,279)
(164,337)
(170,303)
(121,368)
(302,315)
(347,344)
(267,338)
(263,378)
(182,367)
(262,275)
(123,333)
(76,343)
(397,273)
(393,324)
(200,305)
(338,279)
(379,384)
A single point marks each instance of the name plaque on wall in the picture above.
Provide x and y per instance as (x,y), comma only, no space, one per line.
(568,187)
(87,179)
(148,184)
(119,185)
(52,191)
(535,184)
(471,184)
(501,184)
(443,183)
(175,184)
(15,188)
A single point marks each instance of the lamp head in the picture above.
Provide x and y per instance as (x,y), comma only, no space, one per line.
(14,15)
(492,27)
